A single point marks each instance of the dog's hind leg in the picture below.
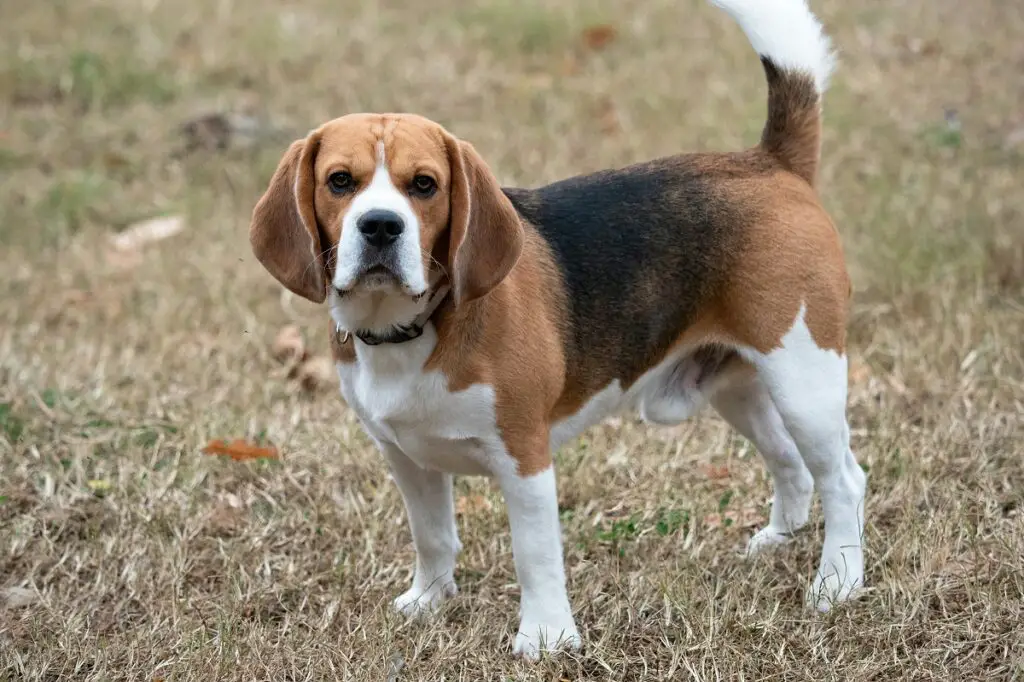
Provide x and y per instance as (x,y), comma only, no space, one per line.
(807,384)
(744,402)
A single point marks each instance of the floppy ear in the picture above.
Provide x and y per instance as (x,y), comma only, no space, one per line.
(486,234)
(283,232)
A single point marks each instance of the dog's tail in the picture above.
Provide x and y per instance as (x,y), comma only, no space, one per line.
(798,59)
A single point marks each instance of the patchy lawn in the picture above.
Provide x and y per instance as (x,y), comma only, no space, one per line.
(126,553)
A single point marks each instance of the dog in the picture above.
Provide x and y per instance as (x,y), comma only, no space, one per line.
(477,328)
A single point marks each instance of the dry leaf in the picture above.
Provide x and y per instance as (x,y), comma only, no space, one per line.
(210,131)
(599,36)
(146,232)
(16,597)
(289,346)
(472,504)
(239,450)
(716,473)
(317,373)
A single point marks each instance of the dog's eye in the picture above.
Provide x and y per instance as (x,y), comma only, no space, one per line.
(340,182)
(423,186)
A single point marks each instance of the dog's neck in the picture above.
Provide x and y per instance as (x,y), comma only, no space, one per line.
(402,332)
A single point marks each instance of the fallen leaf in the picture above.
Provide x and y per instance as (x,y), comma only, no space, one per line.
(17,597)
(716,473)
(317,373)
(239,450)
(134,237)
(599,36)
(472,504)
(289,346)
(209,131)
(218,131)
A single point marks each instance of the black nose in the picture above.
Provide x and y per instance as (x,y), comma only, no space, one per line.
(380,227)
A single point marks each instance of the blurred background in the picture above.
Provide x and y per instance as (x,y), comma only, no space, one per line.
(135,327)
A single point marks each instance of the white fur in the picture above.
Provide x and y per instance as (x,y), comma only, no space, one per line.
(807,386)
(375,308)
(546,621)
(428,503)
(749,409)
(402,406)
(427,433)
(788,33)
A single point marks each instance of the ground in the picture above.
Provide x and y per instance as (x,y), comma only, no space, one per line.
(126,553)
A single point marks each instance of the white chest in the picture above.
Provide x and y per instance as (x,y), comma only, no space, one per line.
(404,407)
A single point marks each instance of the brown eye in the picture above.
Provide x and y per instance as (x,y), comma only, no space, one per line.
(340,182)
(423,186)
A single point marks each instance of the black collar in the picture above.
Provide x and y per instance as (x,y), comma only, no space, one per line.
(400,333)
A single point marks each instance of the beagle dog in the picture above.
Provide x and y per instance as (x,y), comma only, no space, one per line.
(477,328)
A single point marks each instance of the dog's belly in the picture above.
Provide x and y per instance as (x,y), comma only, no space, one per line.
(666,395)
(455,432)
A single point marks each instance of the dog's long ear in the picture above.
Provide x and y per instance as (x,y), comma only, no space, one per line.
(283,232)
(486,234)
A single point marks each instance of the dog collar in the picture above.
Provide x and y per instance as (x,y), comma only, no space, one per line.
(400,333)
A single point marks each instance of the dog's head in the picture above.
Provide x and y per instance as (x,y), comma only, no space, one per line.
(372,209)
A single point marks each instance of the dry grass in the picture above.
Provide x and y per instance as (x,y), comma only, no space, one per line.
(126,554)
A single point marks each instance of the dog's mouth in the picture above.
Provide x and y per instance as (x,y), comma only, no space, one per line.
(375,277)
(377,273)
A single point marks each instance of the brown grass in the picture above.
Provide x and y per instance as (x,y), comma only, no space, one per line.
(127,554)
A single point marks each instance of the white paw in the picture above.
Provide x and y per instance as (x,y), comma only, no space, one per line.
(766,538)
(534,638)
(832,588)
(417,603)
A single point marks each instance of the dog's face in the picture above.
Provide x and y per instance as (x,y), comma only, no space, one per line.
(371,210)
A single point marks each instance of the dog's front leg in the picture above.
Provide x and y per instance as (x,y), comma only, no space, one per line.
(546,621)
(429,506)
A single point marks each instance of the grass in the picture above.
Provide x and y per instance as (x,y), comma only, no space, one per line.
(127,554)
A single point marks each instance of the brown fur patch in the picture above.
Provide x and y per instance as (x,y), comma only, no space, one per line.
(511,339)
(789,254)
(284,233)
(792,131)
